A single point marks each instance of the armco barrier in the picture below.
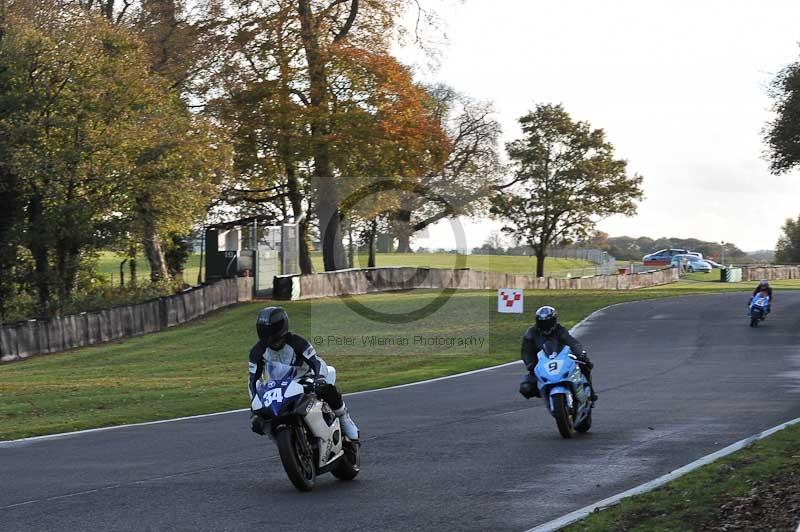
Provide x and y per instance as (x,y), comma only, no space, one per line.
(369,280)
(34,337)
(772,273)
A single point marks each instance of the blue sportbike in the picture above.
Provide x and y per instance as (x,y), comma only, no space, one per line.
(305,429)
(565,390)
(758,309)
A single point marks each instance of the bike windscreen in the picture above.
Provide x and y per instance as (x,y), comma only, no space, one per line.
(278,371)
(550,347)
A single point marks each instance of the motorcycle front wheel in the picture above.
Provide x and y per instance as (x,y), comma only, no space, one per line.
(563,416)
(299,468)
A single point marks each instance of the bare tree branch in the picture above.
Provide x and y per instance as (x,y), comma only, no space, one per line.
(351,18)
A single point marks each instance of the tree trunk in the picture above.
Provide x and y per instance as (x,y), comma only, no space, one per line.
(10,211)
(67,258)
(67,249)
(122,273)
(373,231)
(151,240)
(38,247)
(540,255)
(327,196)
(329,223)
(296,199)
(350,246)
(403,230)
(10,214)
(132,266)
(154,252)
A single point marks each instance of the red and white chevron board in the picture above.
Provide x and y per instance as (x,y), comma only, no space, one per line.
(510,300)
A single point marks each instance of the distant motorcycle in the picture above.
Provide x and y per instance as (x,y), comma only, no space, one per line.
(565,390)
(758,309)
(307,432)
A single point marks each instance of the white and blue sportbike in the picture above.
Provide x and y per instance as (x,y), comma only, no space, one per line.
(565,390)
(758,309)
(307,432)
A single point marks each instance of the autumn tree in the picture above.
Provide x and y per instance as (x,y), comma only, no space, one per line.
(173,179)
(565,178)
(465,174)
(787,250)
(10,207)
(89,131)
(78,84)
(782,134)
(325,30)
(317,107)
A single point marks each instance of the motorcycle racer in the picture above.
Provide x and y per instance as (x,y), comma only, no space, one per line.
(547,329)
(275,343)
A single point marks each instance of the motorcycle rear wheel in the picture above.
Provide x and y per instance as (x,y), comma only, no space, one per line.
(299,469)
(563,416)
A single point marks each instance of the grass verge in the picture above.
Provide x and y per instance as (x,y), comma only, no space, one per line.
(756,488)
(108,264)
(487,263)
(201,367)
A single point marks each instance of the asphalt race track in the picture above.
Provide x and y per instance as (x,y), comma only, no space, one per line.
(678,378)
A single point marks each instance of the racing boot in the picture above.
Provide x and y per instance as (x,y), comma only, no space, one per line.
(592,397)
(587,372)
(348,427)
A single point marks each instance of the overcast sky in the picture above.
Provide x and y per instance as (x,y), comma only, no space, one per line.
(678,86)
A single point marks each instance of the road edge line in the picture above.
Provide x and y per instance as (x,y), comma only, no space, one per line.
(577,515)
(59,435)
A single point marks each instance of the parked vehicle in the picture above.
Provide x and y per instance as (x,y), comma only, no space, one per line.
(758,308)
(565,390)
(662,257)
(690,263)
(305,429)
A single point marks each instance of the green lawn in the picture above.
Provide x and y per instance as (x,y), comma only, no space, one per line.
(200,367)
(695,501)
(108,264)
(488,263)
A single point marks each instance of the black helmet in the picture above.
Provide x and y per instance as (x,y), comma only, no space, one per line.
(272,325)
(546,320)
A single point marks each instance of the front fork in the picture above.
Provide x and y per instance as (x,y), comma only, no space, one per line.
(300,436)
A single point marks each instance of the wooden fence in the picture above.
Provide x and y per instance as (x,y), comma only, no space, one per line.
(21,340)
(368,280)
(772,273)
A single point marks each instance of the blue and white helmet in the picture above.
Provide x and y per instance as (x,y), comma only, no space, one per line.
(546,319)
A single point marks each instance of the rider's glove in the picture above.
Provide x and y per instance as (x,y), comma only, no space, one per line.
(529,366)
(319,384)
(257,424)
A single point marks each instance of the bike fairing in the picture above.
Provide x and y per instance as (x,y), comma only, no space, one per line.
(297,351)
(565,389)
(280,392)
(308,433)
(277,344)
(758,308)
(533,342)
(557,369)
